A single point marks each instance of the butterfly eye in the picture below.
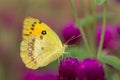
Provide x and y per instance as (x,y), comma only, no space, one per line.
(44,32)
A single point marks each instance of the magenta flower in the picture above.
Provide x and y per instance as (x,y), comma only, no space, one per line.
(31,75)
(39,75)
(70,30)
(114,44)
(67,69)
(108,37)
(90,69)
(118,29)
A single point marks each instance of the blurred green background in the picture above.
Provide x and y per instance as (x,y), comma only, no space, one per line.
(55,13)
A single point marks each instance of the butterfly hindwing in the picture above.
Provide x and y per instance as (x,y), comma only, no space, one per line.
(35,53)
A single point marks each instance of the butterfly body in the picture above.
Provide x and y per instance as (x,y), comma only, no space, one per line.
(40,45)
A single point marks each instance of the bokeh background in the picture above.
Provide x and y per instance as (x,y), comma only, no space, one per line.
(55,13)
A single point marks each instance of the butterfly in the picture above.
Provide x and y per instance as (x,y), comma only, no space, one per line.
(40,45)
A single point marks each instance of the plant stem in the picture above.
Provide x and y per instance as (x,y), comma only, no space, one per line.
(92,6)
(83,8)
(81,29)
(103,31)
(92,27)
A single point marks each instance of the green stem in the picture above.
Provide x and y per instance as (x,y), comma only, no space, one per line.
(103,31)
(83,8)
(91,34)
(81,29)
(92,6)
(92,27)
(74,10)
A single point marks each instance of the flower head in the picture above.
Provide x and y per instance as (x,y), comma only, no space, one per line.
(90,69)
(118,29)
(37,75)
(114,44)
(67,69)
(108,36)
(70,30)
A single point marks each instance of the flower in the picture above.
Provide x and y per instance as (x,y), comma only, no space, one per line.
(70,30)
(48,76)
(67,69)
(39,75)
(118,29)
(90,69)
(31,75)
(114,44)
(111,39)
(108,36)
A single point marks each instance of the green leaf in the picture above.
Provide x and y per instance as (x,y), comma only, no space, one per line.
(109,72)
(78,52)
(111,60)
(100,2)
(85,21)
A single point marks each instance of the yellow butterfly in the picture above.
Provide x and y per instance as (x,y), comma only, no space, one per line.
(40,45)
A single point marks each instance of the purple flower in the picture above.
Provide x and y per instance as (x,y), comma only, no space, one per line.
(39,75)
(67,69)
(118,29)
(90,69)
(48,76)
(114,44)
(109,35)
(31,75)
(70,30)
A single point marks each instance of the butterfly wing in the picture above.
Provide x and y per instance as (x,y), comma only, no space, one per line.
(40,45)
(33,27)
(38,52)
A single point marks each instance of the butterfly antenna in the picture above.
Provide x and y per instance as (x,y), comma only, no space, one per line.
(72,38)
